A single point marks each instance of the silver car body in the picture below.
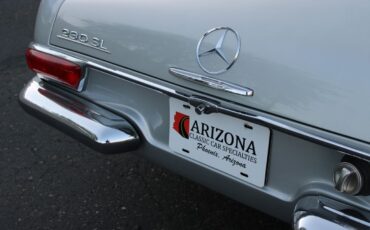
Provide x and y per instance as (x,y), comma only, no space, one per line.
(307,63)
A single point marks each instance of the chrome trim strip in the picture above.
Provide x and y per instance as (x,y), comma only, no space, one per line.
(257,119)
(211,82)
(94,126)
(84,44)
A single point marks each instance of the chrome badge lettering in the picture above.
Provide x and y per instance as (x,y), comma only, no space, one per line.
(83,39)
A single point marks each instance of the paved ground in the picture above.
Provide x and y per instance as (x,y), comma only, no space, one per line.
(49,181)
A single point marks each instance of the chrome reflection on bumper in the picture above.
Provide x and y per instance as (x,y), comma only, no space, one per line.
(98,128)
(313,213)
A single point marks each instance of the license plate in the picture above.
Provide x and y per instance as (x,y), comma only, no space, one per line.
(230,145)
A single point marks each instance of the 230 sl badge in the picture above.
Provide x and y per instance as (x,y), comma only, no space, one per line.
(83,39)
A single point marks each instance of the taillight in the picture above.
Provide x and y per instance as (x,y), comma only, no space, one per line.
(55,68)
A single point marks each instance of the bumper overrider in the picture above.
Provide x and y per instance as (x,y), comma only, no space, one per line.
(108,132)
(323,213)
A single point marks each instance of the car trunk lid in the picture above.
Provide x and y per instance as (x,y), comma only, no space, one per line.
(306,61)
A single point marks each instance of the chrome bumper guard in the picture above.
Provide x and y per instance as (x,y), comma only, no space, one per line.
(314,213)
(96,127)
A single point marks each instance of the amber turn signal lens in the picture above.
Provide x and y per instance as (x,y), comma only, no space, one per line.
(54,68)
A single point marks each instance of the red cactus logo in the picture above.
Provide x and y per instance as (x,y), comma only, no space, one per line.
(181,124)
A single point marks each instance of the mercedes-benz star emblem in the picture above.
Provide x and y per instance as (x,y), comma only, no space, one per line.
(226,54)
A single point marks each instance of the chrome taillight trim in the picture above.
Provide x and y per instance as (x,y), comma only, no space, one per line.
(79,62)
(271,123)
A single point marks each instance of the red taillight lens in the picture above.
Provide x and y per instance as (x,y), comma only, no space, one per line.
(55,68)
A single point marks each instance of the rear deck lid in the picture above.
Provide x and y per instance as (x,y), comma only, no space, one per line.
(308,61)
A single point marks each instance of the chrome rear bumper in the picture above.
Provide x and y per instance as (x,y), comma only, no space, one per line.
(107,132)
(98,128)
(313,213)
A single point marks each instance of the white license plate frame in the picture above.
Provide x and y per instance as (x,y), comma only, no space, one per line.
(225,143)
